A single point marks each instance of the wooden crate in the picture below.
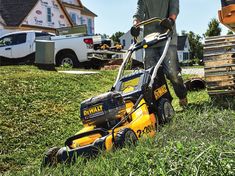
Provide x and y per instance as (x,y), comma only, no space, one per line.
(220,69)
(219,59)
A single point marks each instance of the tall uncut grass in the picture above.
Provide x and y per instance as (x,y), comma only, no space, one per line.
(40,109)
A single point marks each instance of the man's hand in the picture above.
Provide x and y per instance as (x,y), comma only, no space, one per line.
(135,31)
(136,22)
(167,23)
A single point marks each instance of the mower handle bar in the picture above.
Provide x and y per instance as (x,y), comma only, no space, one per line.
(134,47)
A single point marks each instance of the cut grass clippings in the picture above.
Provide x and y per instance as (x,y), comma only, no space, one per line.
(41,109)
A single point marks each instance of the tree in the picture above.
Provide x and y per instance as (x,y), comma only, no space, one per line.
(230,32)
(184,33)
(195,45)
(115,37)
(214,28)
(105,36)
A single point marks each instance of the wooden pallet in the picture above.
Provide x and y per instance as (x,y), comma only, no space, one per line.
(219,59)
(221,69)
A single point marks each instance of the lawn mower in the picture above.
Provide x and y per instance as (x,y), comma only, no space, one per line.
(133,108)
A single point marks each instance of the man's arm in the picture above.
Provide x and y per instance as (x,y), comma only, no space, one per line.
(140,12)
(173,9)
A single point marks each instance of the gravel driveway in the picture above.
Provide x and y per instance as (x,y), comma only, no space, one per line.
(193,71)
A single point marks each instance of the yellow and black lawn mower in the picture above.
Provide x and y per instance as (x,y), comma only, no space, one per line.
(131,110)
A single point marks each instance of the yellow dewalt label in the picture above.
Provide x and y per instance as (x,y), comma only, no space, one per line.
(93,110)
(160,91)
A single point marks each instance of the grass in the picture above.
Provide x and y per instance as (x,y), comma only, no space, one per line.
(40,109)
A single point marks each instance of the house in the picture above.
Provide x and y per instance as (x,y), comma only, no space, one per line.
(45,15)
(80,14)
(183,48)
(126,40)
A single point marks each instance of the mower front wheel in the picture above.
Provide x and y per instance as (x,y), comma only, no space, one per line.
(50,158)
(125,137)
(165,111)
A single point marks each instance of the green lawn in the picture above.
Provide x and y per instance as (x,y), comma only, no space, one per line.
(40,109)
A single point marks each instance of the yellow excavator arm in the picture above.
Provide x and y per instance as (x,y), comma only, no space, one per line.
(227,14)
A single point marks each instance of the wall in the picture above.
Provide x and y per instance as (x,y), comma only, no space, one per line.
(82,19)
(90,27)
(127,39)
(5,31)
(38,16)
(180,56)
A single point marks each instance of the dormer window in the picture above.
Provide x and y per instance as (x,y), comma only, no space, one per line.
(73,17)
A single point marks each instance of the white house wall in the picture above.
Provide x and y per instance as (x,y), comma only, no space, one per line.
(1,29)
(38,16)
(82,19)
(187,46)
(5,31)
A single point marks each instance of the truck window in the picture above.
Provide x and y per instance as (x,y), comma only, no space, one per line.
(6,41)
(19,39)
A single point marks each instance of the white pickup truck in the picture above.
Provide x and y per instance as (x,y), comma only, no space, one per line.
(20,47)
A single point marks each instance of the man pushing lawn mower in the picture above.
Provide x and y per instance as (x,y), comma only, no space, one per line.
(168,11)
(132,109)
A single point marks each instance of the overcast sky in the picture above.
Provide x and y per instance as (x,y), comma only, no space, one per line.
(116,15)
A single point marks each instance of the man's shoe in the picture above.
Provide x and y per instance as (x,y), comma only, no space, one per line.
(183,102)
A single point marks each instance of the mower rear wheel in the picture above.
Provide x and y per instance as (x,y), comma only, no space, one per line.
(50,158)
(125,137)
(165,111)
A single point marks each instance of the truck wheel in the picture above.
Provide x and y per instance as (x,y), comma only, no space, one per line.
(50,158)
(125,137)
(68,59)
(165,111)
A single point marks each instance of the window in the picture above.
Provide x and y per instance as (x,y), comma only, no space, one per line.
(19,39)
(14,39)
(185,56)
(49,15)
(82,20)
(124,42)
(73,17)
(89,26)
(6,41)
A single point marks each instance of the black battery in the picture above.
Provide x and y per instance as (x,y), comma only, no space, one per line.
(103,110)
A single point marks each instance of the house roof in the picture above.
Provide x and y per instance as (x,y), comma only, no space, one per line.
(12,16)
(181,42)
(13,12)
(86,11)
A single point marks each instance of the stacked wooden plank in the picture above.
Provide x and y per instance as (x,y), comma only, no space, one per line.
(219,58)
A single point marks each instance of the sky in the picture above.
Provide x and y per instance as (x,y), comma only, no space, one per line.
(116,15)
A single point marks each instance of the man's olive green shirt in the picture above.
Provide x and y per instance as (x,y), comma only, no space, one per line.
(147,9)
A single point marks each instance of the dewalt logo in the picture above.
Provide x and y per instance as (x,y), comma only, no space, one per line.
(93,110)
(160,92)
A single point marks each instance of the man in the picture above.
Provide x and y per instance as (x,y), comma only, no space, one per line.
(167,10)
(227,2)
